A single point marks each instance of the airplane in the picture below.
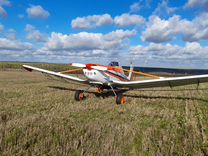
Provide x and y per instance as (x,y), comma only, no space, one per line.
(112,77)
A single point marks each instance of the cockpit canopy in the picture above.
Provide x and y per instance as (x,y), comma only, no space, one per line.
(114,63)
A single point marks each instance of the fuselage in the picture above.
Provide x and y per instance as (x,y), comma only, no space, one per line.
(104,76)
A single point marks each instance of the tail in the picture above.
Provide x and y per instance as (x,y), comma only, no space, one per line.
(131,71)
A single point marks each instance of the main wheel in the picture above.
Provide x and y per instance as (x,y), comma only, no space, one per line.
(120,99)
(79,95)
(100,89)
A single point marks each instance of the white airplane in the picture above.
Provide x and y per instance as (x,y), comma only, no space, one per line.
(112,77)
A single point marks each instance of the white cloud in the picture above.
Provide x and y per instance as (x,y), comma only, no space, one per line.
(167,51)
(159,30)
(192,55)
(36,11)
(14,50)
(5,3)
(11,48)
(197,29)
(84,40)
(86,44)
(1,27)
(3,13)
(95,21)
(135,7)
(34,34)
(140,4)
(197,3)
(128,20)
(13,45)
(11,34)
(163,9)
(167,55)
(91,21)
(21,16)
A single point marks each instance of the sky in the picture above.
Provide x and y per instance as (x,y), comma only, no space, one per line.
(151,33)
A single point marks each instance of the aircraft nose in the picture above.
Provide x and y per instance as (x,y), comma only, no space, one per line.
(88,66)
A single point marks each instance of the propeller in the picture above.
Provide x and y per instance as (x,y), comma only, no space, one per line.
(99,68)
(79,65)
(89,66)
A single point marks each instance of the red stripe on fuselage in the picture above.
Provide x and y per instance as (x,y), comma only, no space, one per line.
(113,75)
(88,66)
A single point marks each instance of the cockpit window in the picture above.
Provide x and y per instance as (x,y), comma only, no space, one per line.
(114,64)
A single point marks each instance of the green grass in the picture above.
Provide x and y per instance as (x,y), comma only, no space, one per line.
(40,117)
(18,65)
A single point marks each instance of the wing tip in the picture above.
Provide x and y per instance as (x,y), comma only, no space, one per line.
(27,68)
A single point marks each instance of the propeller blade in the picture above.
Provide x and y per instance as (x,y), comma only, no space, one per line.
(99,68)
(78,65)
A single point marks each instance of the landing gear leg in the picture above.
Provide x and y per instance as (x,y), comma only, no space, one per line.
(119,97)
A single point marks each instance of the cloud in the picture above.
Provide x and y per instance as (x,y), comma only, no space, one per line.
(197,29)
(5,3)
(3,13)
(128,20)
(197,3)
(11,34)
(159,30)
(93,21)
(163,9)
(11,48)
(34,34)
(21,16)
(13,45)
(86,44)
(140,4)
(1,27)
(14,49)
(191,55)
(135,7)
(36,11)
(168,51)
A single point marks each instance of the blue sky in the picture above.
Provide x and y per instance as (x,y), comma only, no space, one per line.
(162,33)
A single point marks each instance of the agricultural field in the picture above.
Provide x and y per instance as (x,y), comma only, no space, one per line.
(39,116)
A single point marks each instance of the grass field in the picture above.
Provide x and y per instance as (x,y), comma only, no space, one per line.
(40,117)
(5,66)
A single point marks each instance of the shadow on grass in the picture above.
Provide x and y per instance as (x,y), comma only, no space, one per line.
(106,94)
(171,90)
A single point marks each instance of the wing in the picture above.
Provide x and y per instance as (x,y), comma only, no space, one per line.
(163,82)
(30,68)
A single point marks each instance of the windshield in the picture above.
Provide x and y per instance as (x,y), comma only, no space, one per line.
(114,64)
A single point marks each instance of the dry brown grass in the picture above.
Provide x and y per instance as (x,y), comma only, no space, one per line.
(41,117)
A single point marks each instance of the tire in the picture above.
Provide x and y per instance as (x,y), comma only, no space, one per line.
(120,99)
(79,95)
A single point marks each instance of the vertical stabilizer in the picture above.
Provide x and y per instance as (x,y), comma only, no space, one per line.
(131,71)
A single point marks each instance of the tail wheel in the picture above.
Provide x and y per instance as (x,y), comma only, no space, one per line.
(79,95)
(120,99)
